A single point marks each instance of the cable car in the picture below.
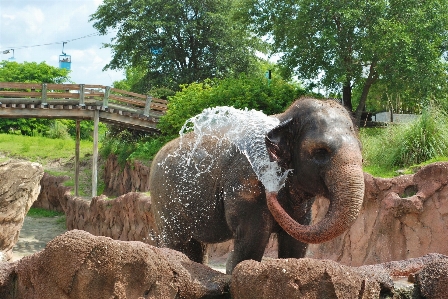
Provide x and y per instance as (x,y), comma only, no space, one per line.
(65,61)
(9,51)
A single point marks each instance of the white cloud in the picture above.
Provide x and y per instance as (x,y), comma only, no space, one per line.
(27,23)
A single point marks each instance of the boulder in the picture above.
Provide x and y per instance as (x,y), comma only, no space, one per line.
(19,188)
(401,218)
(79,265)
(300,278)
(310,278)
(432,280)
(126,218)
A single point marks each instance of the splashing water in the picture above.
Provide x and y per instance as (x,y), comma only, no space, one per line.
(246,129)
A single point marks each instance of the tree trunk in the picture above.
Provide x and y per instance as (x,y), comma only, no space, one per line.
(347,96)
(373,76)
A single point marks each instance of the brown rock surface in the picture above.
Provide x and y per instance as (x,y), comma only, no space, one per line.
(52,190)
(78,265)
(310,278)
(301,278)
(119,180)
(126,218)
(401,218)
(19,188)
(432,281)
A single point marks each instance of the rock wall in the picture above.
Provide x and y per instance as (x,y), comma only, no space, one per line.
(52,189)
(19,188)
(401,218)
(133,177)
(78,265)
(126,218)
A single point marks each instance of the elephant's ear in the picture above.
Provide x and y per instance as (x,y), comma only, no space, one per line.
(278,142)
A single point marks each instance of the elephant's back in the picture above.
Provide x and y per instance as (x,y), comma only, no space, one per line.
(189,168)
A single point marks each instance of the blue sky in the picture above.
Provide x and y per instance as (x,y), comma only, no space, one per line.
(27,23)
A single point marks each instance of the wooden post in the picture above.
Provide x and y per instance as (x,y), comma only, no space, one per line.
(78,137)
(106,97)
(147,105)
(81,95)
(95,153)
(44,94)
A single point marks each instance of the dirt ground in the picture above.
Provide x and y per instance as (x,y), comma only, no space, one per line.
(36,233)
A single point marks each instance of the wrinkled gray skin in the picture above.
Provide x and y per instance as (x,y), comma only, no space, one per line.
(217,196)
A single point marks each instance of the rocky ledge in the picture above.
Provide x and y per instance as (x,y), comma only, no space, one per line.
(78,265)
(19,188)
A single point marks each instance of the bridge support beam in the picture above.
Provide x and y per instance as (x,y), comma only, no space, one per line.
(96,120)
(78,137)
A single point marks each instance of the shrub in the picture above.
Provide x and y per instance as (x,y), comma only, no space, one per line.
(407,144)
(242,92)
(57,130)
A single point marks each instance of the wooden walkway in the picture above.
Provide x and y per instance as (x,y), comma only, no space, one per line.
(79,102)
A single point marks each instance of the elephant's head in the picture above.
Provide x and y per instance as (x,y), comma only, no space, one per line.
(318,141)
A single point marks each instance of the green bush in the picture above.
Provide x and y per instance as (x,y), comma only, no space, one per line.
(146,151)
(404,145)
(242,92)
(57,130)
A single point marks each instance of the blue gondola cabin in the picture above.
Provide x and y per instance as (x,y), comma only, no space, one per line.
(65,61)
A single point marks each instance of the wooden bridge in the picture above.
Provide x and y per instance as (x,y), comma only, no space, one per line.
(81,102)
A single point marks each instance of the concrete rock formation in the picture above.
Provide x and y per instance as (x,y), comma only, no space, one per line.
(119,180)
(301,278)
(432,281)
(52,190)
(126,218)
(19,188)
(310,278)
(78,265)
(401,218)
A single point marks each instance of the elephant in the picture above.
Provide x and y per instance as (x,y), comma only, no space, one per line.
(209,196)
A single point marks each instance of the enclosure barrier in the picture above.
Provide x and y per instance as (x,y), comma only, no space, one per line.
(79,94)
(81,101)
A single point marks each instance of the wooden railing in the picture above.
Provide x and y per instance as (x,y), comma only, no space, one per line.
(79,94)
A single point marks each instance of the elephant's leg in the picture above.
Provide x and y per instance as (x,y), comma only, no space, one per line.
(193,249)
(251,239)
(288,247)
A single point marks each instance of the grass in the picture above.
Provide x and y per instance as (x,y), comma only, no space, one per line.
(402,148)
(42,213)
(38,149)
(55,155)
(60,218)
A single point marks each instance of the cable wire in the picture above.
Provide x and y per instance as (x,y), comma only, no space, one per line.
(48,44)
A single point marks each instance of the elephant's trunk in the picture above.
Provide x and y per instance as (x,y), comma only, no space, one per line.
(345,183)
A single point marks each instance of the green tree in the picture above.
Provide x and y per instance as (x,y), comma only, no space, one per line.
(29,72)
(172,42)
(355,44)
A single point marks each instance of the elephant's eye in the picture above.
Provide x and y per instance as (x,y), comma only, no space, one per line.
(321,155)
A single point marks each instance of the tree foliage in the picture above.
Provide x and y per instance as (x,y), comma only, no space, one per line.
(243,92)
(172,42)
(29,72)
(356,44)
